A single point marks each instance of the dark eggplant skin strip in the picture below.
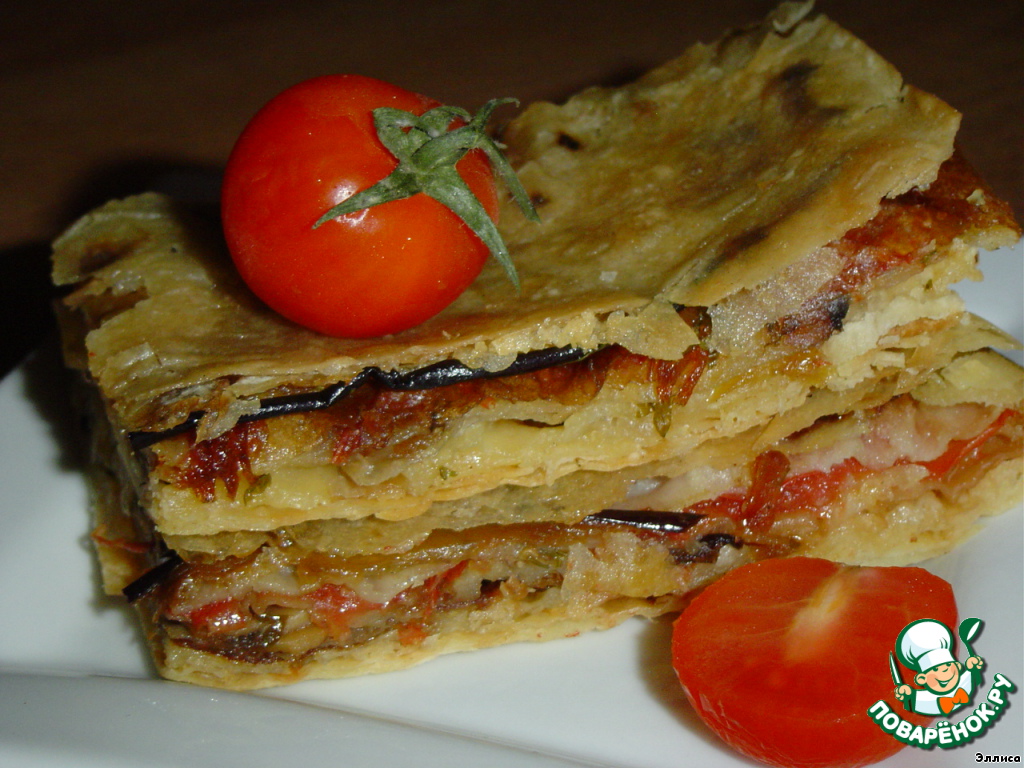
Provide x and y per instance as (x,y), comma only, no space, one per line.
(154,577)
(669,522)
(429,377)
(648,520)
(707,549)
(660,522)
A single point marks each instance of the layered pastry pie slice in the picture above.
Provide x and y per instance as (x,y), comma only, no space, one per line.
(891,483)
(745,251)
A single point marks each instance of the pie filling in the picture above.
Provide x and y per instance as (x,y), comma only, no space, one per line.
(388,415)
(271,607)
(286,603)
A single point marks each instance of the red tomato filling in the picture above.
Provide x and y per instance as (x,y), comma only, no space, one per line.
(225,609)
(960,451)
(335,606)
(772,492)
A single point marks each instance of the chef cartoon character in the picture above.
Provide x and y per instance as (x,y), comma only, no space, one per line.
(946,684)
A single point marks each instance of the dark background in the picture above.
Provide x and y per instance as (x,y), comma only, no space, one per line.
(108,97)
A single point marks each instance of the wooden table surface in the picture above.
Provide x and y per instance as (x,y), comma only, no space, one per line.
(109,97)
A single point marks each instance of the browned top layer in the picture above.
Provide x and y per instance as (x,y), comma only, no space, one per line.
(705,177)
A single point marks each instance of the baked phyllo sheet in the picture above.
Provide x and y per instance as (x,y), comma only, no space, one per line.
(392,442)
(891,483)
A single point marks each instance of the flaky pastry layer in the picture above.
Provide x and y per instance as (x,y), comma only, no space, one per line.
(807,131)
(892,484)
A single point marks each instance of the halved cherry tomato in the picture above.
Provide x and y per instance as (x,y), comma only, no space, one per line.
(783,658)
(374,272)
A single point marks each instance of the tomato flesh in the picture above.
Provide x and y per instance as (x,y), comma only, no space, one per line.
(960,450)
(783,658)
(370,273)
(335,607)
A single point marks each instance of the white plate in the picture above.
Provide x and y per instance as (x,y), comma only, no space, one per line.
(76,687)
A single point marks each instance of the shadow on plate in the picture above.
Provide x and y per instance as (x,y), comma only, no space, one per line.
(654,667)
(47,387)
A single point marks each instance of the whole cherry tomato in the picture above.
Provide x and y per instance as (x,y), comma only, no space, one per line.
(368,273)
(783,658)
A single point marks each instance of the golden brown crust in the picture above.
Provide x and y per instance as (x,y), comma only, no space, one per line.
(805,132)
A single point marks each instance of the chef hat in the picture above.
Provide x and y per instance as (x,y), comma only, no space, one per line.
(924,644)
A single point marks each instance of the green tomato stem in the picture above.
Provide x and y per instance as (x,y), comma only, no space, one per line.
(427,150)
